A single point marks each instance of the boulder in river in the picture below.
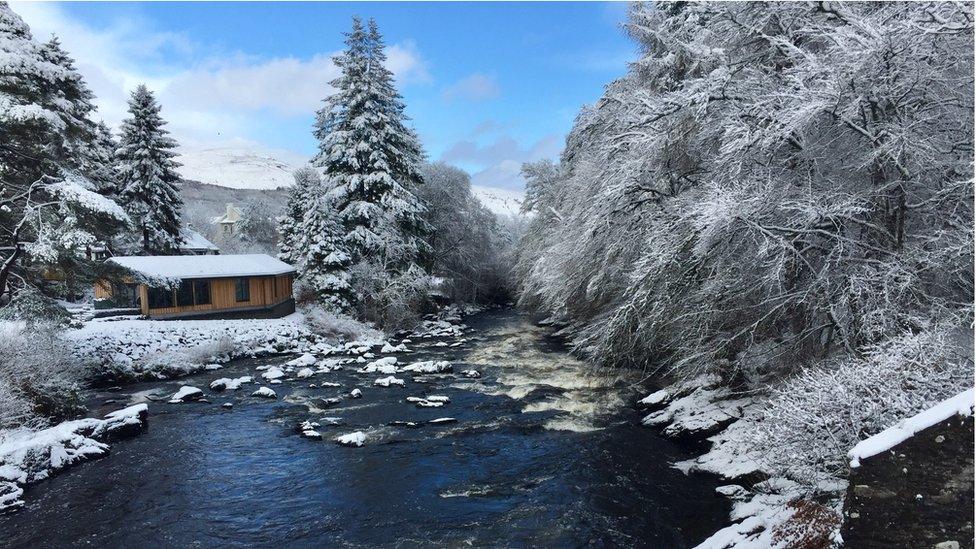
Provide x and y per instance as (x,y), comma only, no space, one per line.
(304,373)
(387,381)
(330,402)
(356,393)
(441,420)
(186,394)
(356,439)
(265,393)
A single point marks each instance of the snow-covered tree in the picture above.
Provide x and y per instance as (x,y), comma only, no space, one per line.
(369,154)
(148,181)
(49,210)
(291,242)
(774,191)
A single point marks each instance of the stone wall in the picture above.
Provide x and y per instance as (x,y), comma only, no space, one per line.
(918,494)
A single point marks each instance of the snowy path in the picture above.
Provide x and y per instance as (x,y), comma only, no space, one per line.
(517,444)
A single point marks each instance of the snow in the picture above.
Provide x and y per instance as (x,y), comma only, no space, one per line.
(193,240)
(74,188)
(238,167)
(305,373)
(428,367)
(185,394)
(307,359)
(961,404)
(272,373)
(385,365)
(387,381)
(352,439)
(28,456)
(226,383)
(203,266)
(499,201)
(654,398)
(264,392)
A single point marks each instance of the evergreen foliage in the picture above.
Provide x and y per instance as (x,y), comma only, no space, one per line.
(148,182)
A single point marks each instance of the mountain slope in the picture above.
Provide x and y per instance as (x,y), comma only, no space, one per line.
(241,168)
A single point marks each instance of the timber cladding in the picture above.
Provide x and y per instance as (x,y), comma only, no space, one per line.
(219,294)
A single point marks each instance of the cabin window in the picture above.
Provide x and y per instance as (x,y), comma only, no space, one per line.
(201,292)
(160,298)
(242,289)
(184,294)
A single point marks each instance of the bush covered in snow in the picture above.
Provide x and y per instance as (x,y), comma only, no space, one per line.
(812,420)
(38,376)
(394,301)
(335,326)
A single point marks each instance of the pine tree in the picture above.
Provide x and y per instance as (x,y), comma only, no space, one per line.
(99,161)
(147,175)
(291,241)
(49,213)
(371,156)
(326,261)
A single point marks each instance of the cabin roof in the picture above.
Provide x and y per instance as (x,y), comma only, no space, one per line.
(203,266)
(192,240)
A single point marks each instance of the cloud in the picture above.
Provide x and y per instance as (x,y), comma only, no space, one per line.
(476,87)
(203,97)
(499,163)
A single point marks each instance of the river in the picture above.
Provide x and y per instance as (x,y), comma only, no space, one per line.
(546,451)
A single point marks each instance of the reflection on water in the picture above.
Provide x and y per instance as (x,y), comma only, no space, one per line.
(544,452)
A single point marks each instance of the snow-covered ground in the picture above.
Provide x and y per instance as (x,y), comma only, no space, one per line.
(244,168)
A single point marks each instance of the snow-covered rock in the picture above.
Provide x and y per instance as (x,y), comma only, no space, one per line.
(387,381)
(471,373)
(388,348)
(352,439)
(265,392)
(356,393)
(429,367)
(306,359)
(229,384)
(441,420)
(385,365)
(305,373)
(186,394)
(273,373)
(28,456)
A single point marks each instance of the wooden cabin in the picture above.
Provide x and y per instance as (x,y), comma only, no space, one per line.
(202,286)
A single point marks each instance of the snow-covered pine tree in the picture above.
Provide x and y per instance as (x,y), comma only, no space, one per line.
(371,156)
(403,152)
(48,211)
(147,175)
(325,262)
(291,241)
(99,161)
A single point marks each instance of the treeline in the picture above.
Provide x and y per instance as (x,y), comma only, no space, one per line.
(368,223)
(780,194)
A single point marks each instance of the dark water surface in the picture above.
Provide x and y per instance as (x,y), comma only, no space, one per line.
(546,452)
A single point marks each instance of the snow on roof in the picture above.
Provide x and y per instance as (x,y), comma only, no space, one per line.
(961,404)
(165,267)
(193,240)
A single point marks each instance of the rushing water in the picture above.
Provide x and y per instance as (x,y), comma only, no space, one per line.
(546,452)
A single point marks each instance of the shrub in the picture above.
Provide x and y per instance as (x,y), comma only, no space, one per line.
(38,376)
(815,418)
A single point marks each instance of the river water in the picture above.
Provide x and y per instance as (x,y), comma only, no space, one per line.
(546,451)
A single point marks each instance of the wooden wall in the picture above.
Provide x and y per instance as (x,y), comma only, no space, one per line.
(265,292)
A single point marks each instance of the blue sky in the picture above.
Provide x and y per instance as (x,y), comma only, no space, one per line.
(488,85)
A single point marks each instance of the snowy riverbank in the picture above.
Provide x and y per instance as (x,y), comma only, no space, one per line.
(28,456)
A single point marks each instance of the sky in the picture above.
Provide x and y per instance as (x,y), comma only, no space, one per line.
(488,85)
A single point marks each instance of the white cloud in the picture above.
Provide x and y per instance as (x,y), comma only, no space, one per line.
(499,163)
(476,87)
(208,100)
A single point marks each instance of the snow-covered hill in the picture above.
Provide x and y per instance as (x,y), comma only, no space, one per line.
(499,201)
(241,168)
(237,168)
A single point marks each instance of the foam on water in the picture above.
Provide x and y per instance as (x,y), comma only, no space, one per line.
(580,393)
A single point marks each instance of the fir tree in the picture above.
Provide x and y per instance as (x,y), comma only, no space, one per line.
(326,261)
(371,156)
(291,242)
(49,213)
(147,175)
